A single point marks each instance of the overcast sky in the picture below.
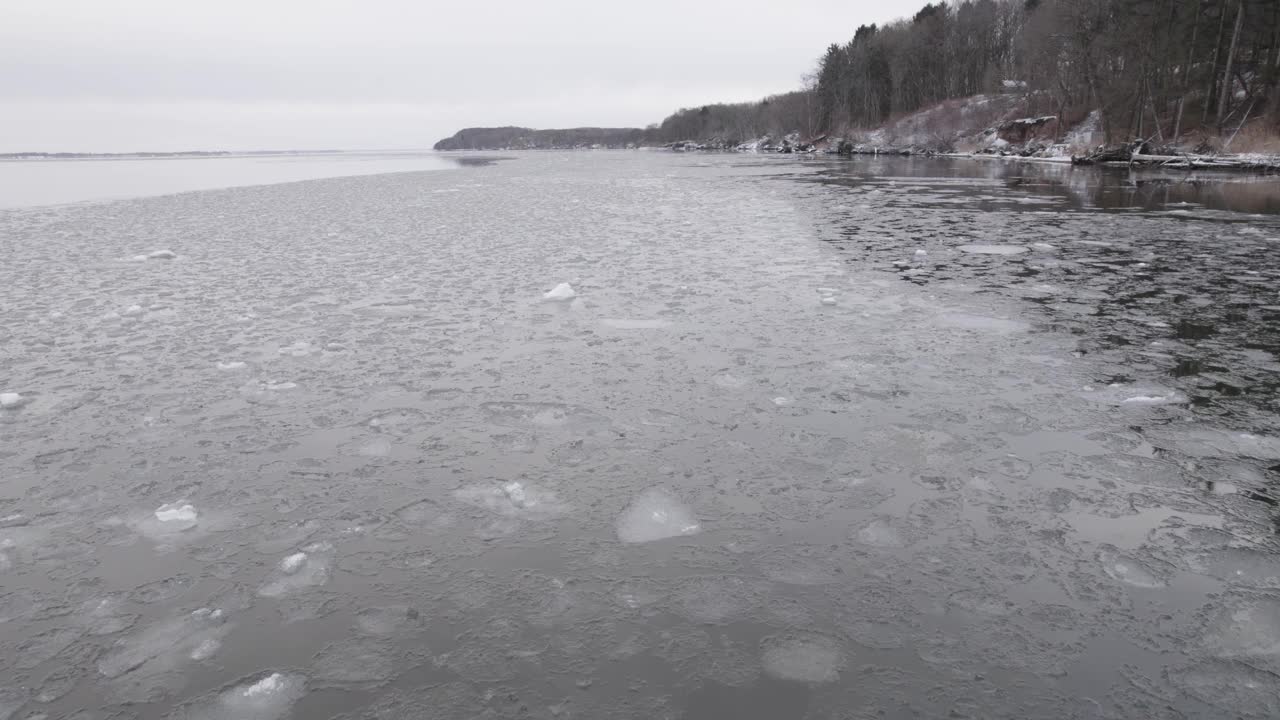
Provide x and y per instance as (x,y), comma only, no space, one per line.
(122,75)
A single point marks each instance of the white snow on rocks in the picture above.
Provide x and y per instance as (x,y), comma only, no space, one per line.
(656,515)
(563,291)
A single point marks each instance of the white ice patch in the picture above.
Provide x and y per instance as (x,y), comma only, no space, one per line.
(993,249)
(293,563)
(983,323)
(513,499)
(161,255)
(230,366)
(563,291)
(148,659)
(297,349)
(1134,396)
(1128,570)
(270,698)
(1247,629)
(656,515)
(803,658)
(729,381)
(11,400)
(634,323)
(880,533)
(296,574)
(178,512)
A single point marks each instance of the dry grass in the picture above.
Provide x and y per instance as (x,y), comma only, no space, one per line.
(1255,137)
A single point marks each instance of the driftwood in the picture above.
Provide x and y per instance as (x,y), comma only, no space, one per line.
(1140,153)
(1210,162)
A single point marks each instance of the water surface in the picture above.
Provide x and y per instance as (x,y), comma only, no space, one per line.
(26,183)
(809,442)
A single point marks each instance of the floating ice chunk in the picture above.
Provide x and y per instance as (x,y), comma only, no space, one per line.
(781,401)
(293,563)
(230,366)
(298,349)
(162,255)
(803,658)
(1129,570)
(132,310)
(206,649)
(296,574)
(176,512)
(515,492)
(828,301)
(1147,399)
(513,499)
(1247,628)
(563,291)
(146,661)
(1046,247)
(922,255)
(729,381)
(634,323)
(11,400)
(105,615)
(880,533)
(993,249)
(656,515)
(270,698)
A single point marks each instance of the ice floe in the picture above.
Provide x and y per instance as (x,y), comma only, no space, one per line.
(563,291)
(656,515)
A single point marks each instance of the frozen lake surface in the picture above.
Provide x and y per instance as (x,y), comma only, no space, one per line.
(342,448)
(27,183)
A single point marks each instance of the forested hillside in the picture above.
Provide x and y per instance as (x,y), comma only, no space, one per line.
(518,138)
(1153,68)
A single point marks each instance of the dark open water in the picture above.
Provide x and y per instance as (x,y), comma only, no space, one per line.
(893,438)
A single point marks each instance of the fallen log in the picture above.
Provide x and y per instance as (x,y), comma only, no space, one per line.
(1209,162)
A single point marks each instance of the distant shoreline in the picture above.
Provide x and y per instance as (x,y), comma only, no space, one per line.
(157,155)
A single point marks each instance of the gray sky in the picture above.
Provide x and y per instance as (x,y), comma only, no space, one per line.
(121,75)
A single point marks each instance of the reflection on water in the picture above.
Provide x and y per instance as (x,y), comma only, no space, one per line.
(1061,186)
(891,438)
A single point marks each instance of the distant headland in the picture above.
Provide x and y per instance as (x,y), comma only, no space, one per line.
(521,138)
